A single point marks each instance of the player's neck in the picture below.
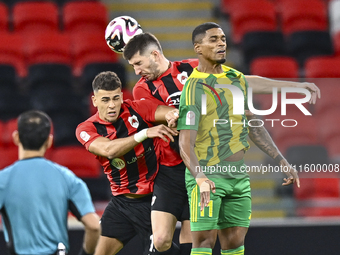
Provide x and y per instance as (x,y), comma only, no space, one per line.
(165,65)
(206,66)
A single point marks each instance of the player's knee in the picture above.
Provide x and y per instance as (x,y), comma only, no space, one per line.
(162,242)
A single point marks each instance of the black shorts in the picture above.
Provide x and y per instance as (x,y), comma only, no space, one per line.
(170,194)
(124,218)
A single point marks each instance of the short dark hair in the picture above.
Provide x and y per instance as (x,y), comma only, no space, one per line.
(201,29)
(106,81)
(34,128)
(139,43)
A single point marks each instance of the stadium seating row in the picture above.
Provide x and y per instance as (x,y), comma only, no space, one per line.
(74,49)
(32,16)
(288,16)
(299,45)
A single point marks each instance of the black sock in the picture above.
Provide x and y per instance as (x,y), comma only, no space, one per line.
(185,248)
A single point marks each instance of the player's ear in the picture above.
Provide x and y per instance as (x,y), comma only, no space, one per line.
(121,96)
(49,141)
(15,137)
(94,101)
(197,48)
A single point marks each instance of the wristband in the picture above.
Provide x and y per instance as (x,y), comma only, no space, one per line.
(141,136)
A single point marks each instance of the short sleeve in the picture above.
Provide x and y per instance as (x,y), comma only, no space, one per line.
(190,106)
(80,202)
(145,108)
(86,133)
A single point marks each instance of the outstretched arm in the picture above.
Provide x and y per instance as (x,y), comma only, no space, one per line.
(261,138)
(262,85)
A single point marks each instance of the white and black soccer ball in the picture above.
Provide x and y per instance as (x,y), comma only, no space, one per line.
(119,31)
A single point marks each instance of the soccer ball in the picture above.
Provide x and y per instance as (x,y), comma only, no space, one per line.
(119,31)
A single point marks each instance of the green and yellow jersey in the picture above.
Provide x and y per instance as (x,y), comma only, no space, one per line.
(220,133)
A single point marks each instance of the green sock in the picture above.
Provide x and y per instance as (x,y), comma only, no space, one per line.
(237,251)
(201,251)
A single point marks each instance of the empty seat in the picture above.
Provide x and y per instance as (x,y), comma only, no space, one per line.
(8,156)
(322,67)
(303,15)
(12,52)
(32,17)
(275,67)
(336,42)
(12,103)
(84,16)
(3,17)
(48,47)
(244,19)
(85,53)
(329,100)
(259,44)
(78,159)
(307,155)
(306,44)
(304,133)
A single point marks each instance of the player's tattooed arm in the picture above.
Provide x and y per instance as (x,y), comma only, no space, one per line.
(262,139)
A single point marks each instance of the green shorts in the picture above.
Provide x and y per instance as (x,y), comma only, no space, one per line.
(230,206)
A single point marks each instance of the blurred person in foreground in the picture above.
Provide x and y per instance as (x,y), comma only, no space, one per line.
(36,195)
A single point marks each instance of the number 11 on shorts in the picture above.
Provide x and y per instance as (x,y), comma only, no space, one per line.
(210,206)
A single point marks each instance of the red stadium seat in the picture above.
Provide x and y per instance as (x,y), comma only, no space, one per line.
(322,67)
(318,185)
(12,52)
(84,16)
(303,15)
(35,17)
(330,91)
(244,19)
(49,47)
(85,53)
(8,156)
(3,17)
(10,127)
(336,43)
(304,133)
(78,159)
(275,67)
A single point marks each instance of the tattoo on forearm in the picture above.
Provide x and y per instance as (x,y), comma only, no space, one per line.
(260,136)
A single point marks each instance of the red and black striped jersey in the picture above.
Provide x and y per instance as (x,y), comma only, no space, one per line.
(135,171)
(167,90)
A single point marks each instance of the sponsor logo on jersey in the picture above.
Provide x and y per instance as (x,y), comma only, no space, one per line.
(133,121)
(173,99)
(118,163)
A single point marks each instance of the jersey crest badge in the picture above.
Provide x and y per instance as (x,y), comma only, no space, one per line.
(85,136)
(133,121)
(190,118)
(182,77)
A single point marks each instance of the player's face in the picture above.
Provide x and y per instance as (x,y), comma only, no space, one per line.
(108,103)
(213,46)
(146,65)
